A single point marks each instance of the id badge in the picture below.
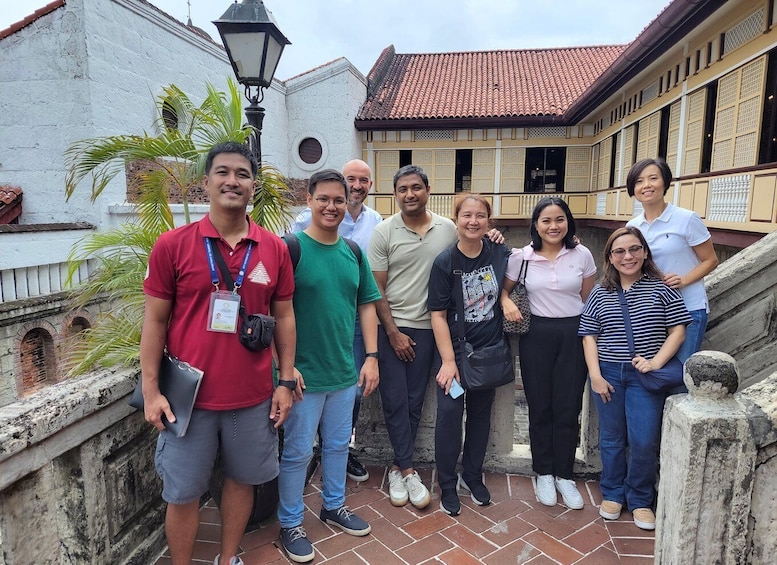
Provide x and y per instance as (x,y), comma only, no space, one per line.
(223,311)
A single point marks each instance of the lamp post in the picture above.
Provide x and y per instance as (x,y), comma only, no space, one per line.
(254,46)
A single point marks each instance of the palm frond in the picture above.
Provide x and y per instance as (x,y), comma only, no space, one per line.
(273,200)
(113,340)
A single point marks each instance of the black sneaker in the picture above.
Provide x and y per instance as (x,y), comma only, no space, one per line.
(355,470)
(295,542)
(449,502)
(346,520)
(477,491)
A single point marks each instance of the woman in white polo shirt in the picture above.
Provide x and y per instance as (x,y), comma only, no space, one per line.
(681,244)
(559,277)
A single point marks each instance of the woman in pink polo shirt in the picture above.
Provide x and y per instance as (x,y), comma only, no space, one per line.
(560,274)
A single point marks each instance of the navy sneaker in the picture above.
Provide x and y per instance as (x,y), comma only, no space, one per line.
(449,502)
(346,520)
(295,542)
(355,470)
(477,491)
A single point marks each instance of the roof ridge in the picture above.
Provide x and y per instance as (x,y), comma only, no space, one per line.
(39,13)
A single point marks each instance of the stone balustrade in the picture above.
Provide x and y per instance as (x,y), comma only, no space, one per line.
(716,501)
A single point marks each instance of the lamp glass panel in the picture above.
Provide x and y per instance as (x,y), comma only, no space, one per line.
(246,51)
(274,50)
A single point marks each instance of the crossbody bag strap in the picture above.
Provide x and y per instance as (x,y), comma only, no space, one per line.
(626,321)
(458,293)
(222,264)
(522,270)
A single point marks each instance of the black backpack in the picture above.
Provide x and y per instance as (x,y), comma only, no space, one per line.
(292,242)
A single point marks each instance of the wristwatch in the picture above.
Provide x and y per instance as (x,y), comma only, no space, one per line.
(288,384)
(372,354)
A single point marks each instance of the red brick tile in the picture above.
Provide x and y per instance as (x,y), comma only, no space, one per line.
(367,513)
(210,516)
(474,520)
(204,550)
(588,538)
(541,559)
(630,560)
(458,556)
(376,552)
(547,523)
(601,556)
(578,519)
(469,541)
(209,532)
(362,497)
(553,511)
(260,537)
(505,510)
(428,525)
(634,546)
(498,485)
(427,548)
(265,554)
(552,547)
(397,515)
(389,534)
(347,558)
(522,488)
(340,543)
(595,492)
(621,529)
(516,552)
(508,531)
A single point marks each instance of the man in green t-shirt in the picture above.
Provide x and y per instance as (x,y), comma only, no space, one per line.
(331,285)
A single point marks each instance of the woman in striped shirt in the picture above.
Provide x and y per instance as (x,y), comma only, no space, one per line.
(629,414)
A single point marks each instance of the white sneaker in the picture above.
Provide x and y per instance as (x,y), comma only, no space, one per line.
(546,490)
(233,561)
(569,493)
(397,488)
(417,492)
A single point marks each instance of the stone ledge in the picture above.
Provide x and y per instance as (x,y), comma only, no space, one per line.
(60,417)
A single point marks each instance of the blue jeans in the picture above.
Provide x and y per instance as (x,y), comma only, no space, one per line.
(332,412)
(629,431)
(694,334)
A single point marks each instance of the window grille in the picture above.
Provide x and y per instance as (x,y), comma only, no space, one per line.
(557,131)
(434,135)
(745,31)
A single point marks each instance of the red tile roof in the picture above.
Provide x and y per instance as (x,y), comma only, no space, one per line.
(10,203)
(482,84)
(40,12)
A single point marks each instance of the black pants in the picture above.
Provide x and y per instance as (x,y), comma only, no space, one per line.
(447,434)
(402,388)
(554,372)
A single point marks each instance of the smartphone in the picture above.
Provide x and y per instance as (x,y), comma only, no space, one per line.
(456,389)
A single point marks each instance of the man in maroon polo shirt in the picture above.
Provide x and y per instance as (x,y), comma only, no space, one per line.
(237,412)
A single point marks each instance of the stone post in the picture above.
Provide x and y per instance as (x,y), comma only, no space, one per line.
(707,465)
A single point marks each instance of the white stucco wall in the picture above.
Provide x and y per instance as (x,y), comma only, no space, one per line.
(93,68)
(323,104)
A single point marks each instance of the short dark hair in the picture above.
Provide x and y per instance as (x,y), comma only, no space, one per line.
(231,147)
(408,170)
(326,175)
(569,239)
(639,166)
(611,279)
(462,197)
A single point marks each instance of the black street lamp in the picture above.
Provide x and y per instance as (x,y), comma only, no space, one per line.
(254,46)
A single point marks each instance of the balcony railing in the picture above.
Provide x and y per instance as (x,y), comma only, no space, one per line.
(741,200)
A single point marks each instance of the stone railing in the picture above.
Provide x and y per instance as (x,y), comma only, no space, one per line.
(716,500)
(77,478)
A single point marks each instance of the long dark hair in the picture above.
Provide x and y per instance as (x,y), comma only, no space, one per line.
(569,239)
(612,278)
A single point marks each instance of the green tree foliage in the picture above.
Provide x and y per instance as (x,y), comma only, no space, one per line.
(178,150)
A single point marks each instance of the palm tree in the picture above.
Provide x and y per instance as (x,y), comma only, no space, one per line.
(184,134)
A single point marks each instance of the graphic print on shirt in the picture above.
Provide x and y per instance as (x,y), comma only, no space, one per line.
(480,291)
(259,275)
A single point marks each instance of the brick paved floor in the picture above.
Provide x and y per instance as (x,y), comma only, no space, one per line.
(515,528)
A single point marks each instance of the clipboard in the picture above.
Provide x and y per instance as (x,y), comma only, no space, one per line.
(180,383)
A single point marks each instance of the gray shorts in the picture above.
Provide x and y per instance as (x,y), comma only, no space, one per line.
(245,439)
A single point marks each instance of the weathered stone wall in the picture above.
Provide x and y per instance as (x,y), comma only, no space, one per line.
(743,304)
(77,478)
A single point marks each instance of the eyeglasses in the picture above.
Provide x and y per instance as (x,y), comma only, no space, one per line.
(324,202)
(634,250)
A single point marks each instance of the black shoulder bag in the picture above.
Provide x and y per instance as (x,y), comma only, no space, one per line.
(256,330)
(484,368)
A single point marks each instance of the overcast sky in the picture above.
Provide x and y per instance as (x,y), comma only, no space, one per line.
(323,30)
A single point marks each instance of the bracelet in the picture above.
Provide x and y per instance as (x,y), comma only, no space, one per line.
(373,354)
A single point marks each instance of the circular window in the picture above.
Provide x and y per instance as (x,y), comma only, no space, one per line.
(310,150)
